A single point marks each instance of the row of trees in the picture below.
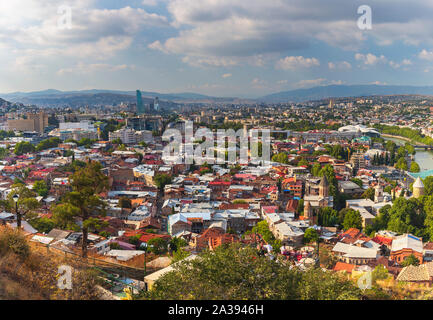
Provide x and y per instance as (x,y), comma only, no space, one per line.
(345,218)
(412,134)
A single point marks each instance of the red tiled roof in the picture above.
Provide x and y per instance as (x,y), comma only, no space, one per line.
(342,266)
(147,236)
(233,206)
(270,209)
(219,183)
(382,240)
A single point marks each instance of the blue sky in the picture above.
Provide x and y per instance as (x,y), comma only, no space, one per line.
(216,47)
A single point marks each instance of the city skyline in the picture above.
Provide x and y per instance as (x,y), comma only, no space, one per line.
(224,48)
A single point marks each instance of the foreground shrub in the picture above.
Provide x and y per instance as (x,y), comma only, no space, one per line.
(13,240)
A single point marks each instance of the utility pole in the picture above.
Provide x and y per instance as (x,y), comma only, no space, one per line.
(16,197)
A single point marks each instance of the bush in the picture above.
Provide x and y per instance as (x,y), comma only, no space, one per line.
(13,241)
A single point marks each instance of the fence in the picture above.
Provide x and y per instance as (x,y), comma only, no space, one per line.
(107,267)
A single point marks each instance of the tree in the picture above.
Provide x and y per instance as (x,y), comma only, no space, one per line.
(3,153)
(262,228)
(303,162)
(179,255)
(233,272)
(281,158)
(117,141)
(161,180)
(428,186)
(401,164)
(83,203)
(352,219)
(327,258)
(44,224)
(157,245)
(407,216)
(315,171)
(328,217)
(369,194)
(300,208)
(135,239)
(26,204)
(380,273)
(48,143)
(311,235)
(410,261)
(357,181)
(380,222)
(41,188)
(414,167)
(24,147)
(125,203)
(177,243)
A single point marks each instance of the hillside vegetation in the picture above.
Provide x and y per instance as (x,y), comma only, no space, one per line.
(26,273)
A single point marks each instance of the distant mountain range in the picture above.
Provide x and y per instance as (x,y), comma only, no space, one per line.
(53,97)
(339,91)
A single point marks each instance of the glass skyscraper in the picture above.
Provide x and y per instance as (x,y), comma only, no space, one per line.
(140,106)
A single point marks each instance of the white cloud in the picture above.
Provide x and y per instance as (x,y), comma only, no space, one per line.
(404,63)
(370,59)
(226,75)
(28,28)
(296,62)
(426,55)
(258,83)
(82,68)
(310,83)
(342,65)
(238,28)
(149,2)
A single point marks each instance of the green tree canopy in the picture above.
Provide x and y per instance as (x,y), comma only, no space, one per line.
(352,219)
(357,181)
(410,261)
(26,203)
(369,194)
(48,143)
(125,203)
(23,148)
(401,164)
(239,273)
(157,245)
(161,180)
(311,235)
(41,188)
(281,158)
(83,203)
(414,167)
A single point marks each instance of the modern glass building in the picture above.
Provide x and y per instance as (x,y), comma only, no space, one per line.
(140,106)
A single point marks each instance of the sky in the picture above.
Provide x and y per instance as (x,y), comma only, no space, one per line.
(214,47)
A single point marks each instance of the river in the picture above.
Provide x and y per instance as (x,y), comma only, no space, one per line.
(423,158)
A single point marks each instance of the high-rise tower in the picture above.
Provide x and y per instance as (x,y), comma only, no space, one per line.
(156,104)
(140,106)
